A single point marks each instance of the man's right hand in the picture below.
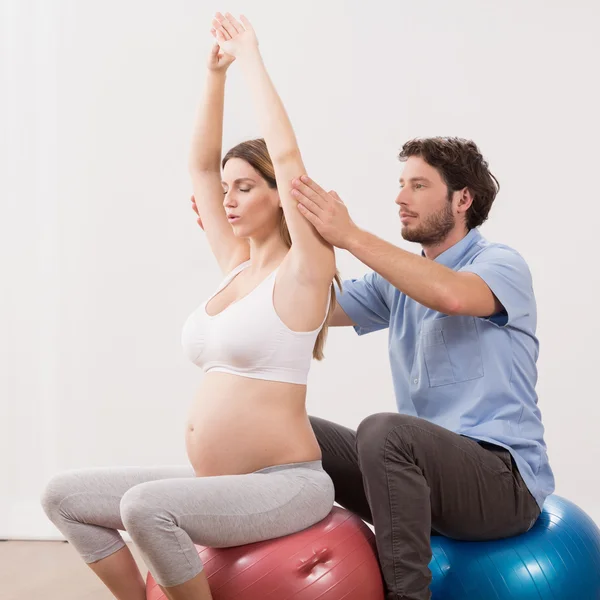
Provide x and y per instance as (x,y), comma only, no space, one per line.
(198,220)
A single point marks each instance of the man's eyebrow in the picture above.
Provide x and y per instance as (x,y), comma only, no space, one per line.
(240,180)
(412,179)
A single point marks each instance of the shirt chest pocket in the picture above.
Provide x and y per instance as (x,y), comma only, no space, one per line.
(451,350)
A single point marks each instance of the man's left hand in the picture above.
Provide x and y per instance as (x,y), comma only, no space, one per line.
(325,210)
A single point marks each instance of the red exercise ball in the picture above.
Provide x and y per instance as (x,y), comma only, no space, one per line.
(334,559)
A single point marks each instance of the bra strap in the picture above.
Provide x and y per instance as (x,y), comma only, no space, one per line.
(232,274)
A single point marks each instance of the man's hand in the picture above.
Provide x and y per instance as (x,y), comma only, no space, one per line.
(198,220)
(325,210)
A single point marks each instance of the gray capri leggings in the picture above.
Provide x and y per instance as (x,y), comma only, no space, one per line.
(166,510)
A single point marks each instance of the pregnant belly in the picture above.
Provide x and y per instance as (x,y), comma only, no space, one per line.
(239,425)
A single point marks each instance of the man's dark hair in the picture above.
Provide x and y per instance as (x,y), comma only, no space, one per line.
(461,165)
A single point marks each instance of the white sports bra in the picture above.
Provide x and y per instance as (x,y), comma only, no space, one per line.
(248,338)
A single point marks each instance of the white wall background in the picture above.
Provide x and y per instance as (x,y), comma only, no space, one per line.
(102,260)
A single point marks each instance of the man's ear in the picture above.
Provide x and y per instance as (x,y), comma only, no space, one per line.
(465,199)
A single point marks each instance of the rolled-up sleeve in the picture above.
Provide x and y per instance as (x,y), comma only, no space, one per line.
(507,275)
(365,301)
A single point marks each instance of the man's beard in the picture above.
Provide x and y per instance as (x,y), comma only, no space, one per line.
(434,229)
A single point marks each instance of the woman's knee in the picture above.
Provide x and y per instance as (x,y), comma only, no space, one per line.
(56,491)
(141,510)
(154,530)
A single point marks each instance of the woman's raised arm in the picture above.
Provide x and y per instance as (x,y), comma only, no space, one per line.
(314,259)
(205,166)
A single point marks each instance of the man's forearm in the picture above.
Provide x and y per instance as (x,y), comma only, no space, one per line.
(424,280)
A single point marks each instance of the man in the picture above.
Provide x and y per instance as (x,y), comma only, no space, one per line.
(464,456)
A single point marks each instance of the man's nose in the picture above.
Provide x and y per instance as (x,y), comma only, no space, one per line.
(400,199)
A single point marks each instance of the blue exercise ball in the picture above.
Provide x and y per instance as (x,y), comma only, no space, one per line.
(557,559)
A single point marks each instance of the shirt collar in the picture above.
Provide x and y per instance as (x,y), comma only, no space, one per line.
(453,255)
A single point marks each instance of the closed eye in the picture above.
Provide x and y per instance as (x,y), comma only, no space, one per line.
(241,190)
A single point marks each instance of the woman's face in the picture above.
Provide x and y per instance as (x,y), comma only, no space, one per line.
(252,207)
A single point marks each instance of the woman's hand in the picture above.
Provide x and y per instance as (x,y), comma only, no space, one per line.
(234,37)
(218,62)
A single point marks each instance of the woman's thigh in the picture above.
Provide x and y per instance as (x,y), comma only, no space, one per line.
(232,510)
(93,495)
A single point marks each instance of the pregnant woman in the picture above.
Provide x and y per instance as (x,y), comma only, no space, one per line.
(255,468)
